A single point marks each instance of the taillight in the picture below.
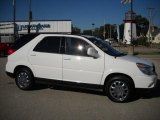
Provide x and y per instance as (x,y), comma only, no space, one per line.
(10,51)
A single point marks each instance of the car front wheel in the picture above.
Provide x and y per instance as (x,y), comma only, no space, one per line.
(119,89)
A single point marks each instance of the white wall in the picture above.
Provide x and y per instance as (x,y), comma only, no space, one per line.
(157,39)
(127,33)
(38,26)
(6,27)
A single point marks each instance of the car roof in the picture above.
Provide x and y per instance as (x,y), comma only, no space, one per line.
(63,34)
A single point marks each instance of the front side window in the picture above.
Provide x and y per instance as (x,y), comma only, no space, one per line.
(49,45)
(105,47)
(75,46)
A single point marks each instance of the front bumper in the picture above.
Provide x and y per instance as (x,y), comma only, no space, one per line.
(145,81)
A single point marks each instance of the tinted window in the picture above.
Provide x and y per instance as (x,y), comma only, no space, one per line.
(75,46)
(105,47)
(49,45)
(23,40)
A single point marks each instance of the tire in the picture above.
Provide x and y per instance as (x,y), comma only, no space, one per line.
(119,89)
(24,79)
(2,53)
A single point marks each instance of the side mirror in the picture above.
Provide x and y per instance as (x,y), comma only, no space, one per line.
(92,52)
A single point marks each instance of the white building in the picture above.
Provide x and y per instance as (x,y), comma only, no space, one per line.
(127,28)
(37,26)
(154,36)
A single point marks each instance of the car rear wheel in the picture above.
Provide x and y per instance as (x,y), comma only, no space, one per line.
(2,53)
(24,79)
(119,89)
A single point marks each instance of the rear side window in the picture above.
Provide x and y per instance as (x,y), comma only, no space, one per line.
(23,40)
(49,45)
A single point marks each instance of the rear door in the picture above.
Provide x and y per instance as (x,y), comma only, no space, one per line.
(78,66)
(46,58)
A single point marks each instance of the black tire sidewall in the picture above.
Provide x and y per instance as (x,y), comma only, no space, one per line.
(126,81)
(2,53)
(26,70)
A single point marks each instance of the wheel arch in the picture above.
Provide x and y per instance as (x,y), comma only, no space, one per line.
(118,75)
(21,66)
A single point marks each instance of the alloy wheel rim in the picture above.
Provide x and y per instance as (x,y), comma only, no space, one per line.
(23,80)
(119,90)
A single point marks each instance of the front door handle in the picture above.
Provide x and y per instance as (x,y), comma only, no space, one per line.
(67,59)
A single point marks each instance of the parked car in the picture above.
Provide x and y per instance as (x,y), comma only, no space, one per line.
(108,41)
(4,47)
(80,61)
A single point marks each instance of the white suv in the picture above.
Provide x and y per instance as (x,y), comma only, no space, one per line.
(81,61)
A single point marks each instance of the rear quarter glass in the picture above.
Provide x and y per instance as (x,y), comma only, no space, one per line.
(23,40)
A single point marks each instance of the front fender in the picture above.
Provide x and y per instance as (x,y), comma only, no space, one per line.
(115,71)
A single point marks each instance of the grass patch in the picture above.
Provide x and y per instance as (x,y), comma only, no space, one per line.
(146,53)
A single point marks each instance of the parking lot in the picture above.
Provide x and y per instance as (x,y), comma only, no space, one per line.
(62,103)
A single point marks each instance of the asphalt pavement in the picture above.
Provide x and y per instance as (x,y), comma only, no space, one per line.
(62,103)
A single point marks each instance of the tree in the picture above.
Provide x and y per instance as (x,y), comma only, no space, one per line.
(99,32)
(76,30)
(142,25)
(87,32)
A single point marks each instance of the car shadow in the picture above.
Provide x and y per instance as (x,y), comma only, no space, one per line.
(40,87)
(139,93)
(147,94)
(66,88)
(80,90)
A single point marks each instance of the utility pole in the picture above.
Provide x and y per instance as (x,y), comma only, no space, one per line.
(131,22)
(110,32)
(104,31)
(150,10)
(29,15)
(14,20)
(131,50)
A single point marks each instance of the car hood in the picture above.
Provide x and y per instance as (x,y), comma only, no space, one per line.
(135,59)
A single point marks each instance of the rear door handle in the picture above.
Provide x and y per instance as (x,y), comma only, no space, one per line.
(33,54)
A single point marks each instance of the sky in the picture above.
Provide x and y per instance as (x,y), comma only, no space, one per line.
(82,12)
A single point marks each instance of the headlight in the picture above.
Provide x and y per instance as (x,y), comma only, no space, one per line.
(146,69)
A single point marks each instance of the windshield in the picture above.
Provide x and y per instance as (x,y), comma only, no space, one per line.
(105,47)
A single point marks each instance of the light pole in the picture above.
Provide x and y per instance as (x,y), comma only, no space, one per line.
(93,28)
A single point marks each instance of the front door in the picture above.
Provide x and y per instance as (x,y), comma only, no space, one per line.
(78,66)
